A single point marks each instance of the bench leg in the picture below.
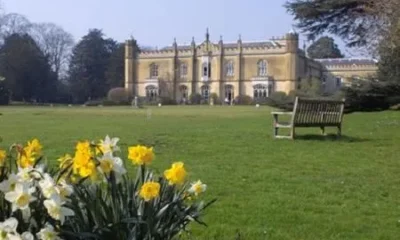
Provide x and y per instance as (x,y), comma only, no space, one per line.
(292,133)
(339,132)
(323,130)
(275,129)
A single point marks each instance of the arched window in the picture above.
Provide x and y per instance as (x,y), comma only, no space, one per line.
(206,69)
(153,70)
(229,69)
(183,70)
(262,68)
(184,91)
(151,93)
(261,91)
(205,92)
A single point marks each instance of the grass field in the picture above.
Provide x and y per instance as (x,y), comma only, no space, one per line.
(311,188)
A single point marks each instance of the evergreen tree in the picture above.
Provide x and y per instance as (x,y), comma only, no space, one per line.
(89,62)
(324,47)
(349,19)
(116,68)
(26,70)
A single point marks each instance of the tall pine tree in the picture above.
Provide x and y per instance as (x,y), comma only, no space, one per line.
(88,66)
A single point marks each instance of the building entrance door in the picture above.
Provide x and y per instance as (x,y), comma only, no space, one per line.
(229,94)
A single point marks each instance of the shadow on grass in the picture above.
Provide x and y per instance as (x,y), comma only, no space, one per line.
(330,137)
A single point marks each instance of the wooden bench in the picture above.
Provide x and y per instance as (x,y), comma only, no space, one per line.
(310,113)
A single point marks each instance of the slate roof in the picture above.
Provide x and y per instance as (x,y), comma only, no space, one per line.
(347,61)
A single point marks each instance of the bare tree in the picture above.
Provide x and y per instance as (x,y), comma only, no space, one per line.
(55,42)
(13,23)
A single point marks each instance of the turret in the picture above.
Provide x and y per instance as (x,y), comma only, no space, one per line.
(128,49)
(221,45)
(175,47)
(130,53)
(239,42)
(292,41)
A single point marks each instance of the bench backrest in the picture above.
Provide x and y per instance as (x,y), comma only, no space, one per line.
(317,112)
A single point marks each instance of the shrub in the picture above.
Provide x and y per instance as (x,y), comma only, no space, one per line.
(92,103)
(118,95)
(4,95)
(107,102)
(147,101)
(244,100)
(167,101)
(279,100)
(215,98)
(370,95)
(91,196)
(195,98)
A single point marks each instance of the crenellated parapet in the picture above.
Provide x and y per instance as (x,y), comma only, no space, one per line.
(342,64)
(287,43)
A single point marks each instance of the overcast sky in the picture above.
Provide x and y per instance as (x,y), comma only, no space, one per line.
(157,22)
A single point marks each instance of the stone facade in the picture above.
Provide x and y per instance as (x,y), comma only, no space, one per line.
(348,69)
(229,70)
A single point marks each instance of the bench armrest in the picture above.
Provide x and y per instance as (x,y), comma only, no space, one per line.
(281,113)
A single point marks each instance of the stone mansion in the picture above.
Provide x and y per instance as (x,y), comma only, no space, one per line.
(255,68)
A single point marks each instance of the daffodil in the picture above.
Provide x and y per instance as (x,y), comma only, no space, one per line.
(64,189)
(35,146)
(25,174)
(3,156)
(27,236)
(26,159)
(37,172)
(55,208)
(28,155)
(8,229)
(9,184)
(83,164)
(48,186)
(141,155)
(64,161)
(21,196)
(110,163)
(48,233)
(108,145)
(176,174)
(197,188)
(149,190)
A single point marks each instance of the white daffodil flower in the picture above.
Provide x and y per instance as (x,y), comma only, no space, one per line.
(9,184)
(56,210)
(48,186)
(48,233)
(64,189)
(110,163)
(8,227)
(109,144)
(27,236)
(25,174)
(21,196)
(197,188)
(38,171)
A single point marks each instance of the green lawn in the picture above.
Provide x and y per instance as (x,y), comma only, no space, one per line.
(310,188)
